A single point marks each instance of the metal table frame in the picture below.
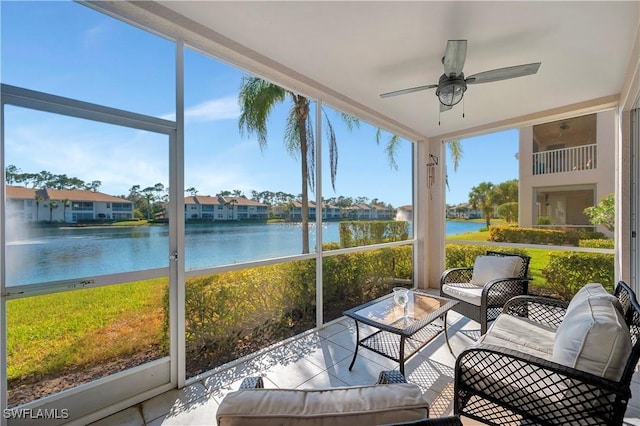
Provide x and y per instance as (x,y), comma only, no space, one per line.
(406,336)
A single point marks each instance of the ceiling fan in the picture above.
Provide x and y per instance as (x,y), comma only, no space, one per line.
(452,84)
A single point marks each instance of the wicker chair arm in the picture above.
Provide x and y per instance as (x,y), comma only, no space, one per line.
(456,275)
(252,383)
(541,309)
(531,387)
(391,376)
(498,292)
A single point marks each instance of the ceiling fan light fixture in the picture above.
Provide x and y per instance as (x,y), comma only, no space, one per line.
(451,90)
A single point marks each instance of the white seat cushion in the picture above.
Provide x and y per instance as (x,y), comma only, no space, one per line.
(521,334)
(593,337)
(370,405)
(464,291)
(489,268)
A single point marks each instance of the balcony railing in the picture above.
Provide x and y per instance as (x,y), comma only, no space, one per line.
(576,158)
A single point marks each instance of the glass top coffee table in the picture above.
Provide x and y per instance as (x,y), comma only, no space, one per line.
(401,335)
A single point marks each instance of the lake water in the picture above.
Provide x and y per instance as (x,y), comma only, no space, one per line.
(49,254)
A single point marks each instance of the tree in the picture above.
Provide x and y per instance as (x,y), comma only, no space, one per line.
(257,100)
(481,197)
(65,203)
(52,205)
(506,192)
(148,195)
(508,211)
(39,198)
(603,213)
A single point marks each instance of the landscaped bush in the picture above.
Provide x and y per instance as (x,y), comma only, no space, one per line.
(464,255)
(232,314)
(596,243)
(354,278)
(506,234)
(361,233)
(568,272)
(556,237)
(543,220)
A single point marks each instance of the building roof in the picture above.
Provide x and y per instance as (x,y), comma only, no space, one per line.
(82,195)
(20,192)
(242,201)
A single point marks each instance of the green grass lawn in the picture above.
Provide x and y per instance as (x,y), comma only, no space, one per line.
(58,331)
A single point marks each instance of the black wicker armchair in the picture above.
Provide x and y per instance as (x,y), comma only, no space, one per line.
(455,282)
(500,386)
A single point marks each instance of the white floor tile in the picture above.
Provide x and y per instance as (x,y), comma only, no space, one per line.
(172,400)
(201,412)
(323,380)
(290,375)
(132,416)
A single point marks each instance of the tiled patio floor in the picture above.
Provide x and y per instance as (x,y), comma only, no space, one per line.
(317,360)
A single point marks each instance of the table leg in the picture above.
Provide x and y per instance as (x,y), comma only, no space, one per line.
(402,338)
(446,336)
(355,353)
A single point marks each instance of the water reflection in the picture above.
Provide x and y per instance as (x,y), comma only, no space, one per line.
(43,254)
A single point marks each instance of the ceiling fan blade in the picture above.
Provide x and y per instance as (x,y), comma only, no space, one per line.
(454,57)
(503,73)
(410,90)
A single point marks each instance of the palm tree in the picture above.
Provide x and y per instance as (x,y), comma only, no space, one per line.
(65,204)
(39,198)
(482,197)
(257,100)
(52,205)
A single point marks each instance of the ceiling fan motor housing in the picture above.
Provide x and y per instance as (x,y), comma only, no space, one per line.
(451,89)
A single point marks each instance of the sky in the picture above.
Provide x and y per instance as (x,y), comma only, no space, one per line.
(70,50)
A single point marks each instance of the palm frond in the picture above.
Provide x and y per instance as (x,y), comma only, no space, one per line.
(391,148)
(291,133)
(455,148)
(349,120)
(257,98)
(311,155)
(333,152)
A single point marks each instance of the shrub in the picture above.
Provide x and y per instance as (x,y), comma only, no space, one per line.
(544,220)
(361,233)
(596,243)
(464,255)
(354,278)
(568,272)
(506,234)
(556,237)
(231,314)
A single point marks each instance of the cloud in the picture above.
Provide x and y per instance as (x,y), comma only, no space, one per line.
(211,110)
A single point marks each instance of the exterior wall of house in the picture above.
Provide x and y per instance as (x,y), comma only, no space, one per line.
(558,186)
(31,209)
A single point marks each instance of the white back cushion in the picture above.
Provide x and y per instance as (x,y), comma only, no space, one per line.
(591,290)
(593,337)
(489,268)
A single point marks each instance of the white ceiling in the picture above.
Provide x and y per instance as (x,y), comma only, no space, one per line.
(361,49)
